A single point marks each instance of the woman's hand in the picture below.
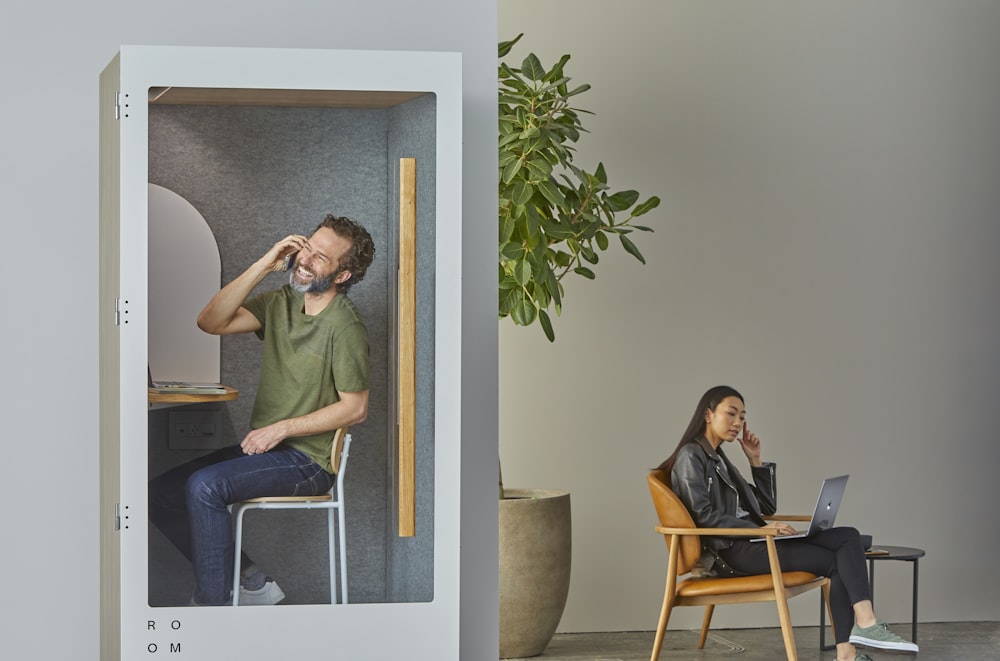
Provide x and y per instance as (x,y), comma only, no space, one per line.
(782,528)
(751,446)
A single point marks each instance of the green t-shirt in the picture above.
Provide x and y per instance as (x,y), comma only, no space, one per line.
(307,359)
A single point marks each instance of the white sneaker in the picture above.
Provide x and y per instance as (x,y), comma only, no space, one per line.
(269,595)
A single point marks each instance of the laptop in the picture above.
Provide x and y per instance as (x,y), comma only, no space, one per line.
(183,387)
(830,495)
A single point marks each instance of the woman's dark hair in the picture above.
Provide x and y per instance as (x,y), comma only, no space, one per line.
(696,428)
(361,253)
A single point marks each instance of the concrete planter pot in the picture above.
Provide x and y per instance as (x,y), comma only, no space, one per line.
(535,555)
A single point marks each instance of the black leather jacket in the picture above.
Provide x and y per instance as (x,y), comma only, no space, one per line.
(700,482)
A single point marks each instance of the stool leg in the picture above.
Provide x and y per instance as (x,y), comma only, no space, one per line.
(342,526)
(330,523)
(237,552)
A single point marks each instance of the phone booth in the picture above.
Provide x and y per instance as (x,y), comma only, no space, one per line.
(208,157)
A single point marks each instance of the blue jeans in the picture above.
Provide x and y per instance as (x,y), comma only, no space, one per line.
(189,504)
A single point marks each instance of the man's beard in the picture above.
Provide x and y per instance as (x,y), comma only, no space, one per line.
(317,285)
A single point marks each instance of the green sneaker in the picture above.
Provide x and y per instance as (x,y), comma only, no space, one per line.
(861,656)
(878,636)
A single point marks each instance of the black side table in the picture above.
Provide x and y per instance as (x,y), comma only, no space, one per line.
(880,552)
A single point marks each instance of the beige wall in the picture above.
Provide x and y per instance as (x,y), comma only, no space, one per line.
(826,244)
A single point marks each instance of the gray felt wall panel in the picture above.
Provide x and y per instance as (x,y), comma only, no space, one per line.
(257,174)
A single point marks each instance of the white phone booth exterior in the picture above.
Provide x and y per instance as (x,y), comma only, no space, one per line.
(132,628)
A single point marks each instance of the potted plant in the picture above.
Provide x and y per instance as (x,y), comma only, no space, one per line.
(555,218)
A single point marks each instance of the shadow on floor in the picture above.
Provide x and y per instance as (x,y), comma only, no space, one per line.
(939,641)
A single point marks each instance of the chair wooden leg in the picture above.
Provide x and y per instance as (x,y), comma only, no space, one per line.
(706,622)
(669,592)
(781,600)
(786,628)
(829,612)
(661,627)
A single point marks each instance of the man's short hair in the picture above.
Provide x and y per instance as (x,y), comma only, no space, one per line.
(361,253)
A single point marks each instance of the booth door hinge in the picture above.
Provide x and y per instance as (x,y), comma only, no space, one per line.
(119,516)
(121,105)
(118,311)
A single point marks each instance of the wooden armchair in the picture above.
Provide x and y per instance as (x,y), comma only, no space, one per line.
(684,545)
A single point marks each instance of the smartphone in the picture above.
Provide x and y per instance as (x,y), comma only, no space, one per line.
(290,260)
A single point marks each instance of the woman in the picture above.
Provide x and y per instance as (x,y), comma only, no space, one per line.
(718,496)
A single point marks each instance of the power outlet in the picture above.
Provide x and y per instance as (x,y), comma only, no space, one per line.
(194,430)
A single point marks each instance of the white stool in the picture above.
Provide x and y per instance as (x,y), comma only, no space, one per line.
(332,501)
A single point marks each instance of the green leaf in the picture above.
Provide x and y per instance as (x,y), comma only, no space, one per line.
(548,279)
(505,46)
(506,157)
(523,272)
(530,133)
(543,319)
(577,90)
(511,251)
(557,69)
(532,68)
(600,174)
(585,272)
(511,99)
(524,312)
(511,170)
(506,229)
(538,169)
(623,200)
(521,194)
(508,283)
(509,300)
(562,258)
(532,220)
(602,240)
(630,248)
(551,193)
(649,204)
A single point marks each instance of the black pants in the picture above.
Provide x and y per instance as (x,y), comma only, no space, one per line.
(836,553)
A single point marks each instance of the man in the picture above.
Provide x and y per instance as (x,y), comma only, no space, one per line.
(313,381)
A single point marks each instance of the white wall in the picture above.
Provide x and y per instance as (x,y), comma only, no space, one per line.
(826,244)
(51,54)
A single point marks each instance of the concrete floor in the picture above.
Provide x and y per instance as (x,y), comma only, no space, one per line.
(952,641)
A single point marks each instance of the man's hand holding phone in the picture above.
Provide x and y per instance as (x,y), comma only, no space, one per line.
(281,256)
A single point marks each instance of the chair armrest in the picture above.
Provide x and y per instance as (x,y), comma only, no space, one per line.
(768,534)
(719,532)
(788,517)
